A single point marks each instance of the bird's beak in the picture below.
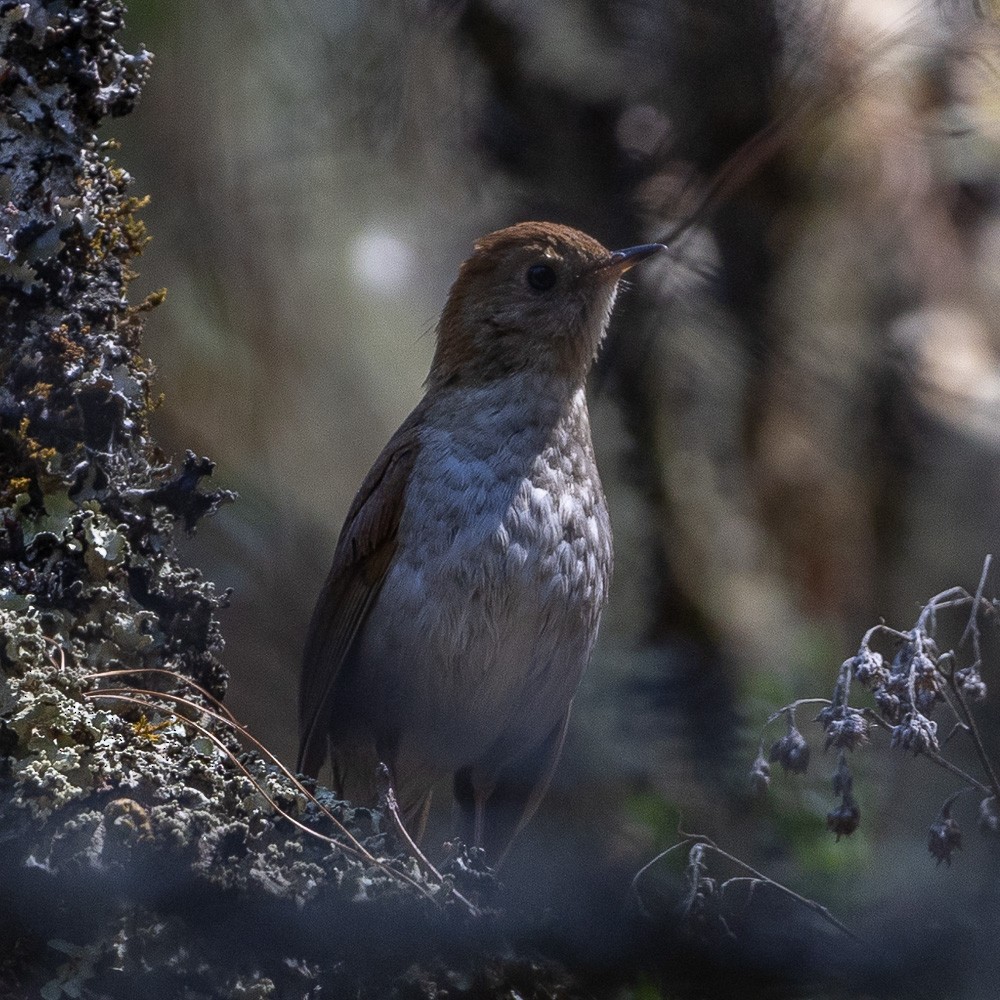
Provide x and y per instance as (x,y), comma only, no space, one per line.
(621,260)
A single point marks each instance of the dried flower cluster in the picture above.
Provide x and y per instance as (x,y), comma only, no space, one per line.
(909,680)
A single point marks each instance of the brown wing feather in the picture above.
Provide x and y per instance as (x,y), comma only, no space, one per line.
(364,552)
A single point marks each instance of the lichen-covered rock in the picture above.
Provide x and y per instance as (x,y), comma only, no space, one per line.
(88,507)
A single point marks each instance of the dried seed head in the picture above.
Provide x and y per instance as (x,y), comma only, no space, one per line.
(868,666)
(888,704)
(847,732)
(944,837)
(791,751)
(926,684)
(844,820)
(760,775)
(899,685)
(916,733)
(901,661)
(971,683)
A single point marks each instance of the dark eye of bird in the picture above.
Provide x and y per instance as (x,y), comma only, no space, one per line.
(541,277)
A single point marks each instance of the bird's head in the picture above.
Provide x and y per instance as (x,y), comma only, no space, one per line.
(534,297)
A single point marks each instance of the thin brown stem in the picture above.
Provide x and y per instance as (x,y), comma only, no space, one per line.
(971,628)
(790,709)
(933,756)
(221,714)
(977,741)
(352,846)
(696,839)
(219,706)
(953,597)
(392,806)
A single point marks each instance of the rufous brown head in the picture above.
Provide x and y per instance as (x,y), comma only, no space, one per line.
(535,296)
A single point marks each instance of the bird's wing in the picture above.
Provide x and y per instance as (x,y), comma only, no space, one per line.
(364,552)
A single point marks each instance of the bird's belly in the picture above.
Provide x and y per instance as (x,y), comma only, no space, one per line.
(473,652)
(451,677)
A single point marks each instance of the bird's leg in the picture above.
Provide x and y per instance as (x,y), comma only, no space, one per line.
(421,812)
(548,760)
(496,804)
(473,787)
(482,789)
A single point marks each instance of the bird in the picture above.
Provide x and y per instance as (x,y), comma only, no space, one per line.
(469,578)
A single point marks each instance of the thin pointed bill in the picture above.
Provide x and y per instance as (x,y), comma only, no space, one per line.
(621,260)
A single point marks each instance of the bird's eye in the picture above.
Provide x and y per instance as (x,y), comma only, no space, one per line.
(541,277)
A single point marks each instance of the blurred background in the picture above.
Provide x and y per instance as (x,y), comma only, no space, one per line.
(796,414)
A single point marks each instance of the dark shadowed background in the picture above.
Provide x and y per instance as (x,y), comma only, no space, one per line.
(797,414)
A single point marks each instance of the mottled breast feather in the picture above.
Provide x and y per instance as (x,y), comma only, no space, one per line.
(476,643)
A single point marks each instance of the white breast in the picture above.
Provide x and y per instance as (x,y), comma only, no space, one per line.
(489,613)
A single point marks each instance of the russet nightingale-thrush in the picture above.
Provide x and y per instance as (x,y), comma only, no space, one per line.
(470,575)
